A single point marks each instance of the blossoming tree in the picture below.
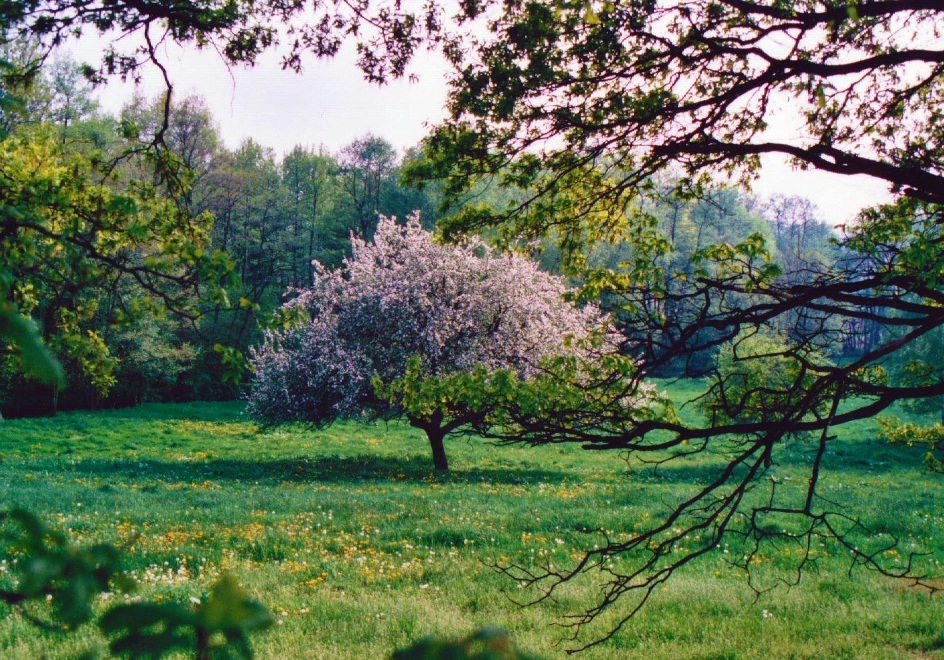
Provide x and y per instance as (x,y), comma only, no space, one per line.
(405,308)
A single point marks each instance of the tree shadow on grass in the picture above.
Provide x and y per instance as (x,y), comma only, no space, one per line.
(844,457)
(418,468)
(302,469)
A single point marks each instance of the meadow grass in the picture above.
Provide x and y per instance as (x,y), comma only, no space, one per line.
(358,548)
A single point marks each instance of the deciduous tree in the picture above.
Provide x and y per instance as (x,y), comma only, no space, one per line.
(583,103)
(405,306)
(580,104)
(81,257)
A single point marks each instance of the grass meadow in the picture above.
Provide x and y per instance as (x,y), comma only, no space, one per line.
(358,549)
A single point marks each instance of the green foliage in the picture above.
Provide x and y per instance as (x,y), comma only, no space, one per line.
(34,357)
(84,257)
(217,628)
(579,106)
(68,580)
(151,358)
(761,381)
(906,237)
(234,362)
(749,261)
(917,367)
(539,408)
(127,274)
(50,570)
(911,434)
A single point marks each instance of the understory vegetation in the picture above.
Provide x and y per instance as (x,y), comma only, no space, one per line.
(357,548)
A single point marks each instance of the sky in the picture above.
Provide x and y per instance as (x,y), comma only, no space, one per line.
(330,104)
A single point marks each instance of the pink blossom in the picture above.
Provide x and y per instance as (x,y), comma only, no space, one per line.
(403,296)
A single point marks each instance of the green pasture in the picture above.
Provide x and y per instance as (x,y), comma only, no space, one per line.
(358,549)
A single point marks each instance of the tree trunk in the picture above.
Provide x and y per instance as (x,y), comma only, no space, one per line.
(433,426)
(436,436)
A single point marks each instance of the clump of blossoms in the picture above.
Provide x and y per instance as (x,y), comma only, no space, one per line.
(406,305)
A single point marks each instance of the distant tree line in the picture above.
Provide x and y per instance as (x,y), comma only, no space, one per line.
(267,218)
(134,326)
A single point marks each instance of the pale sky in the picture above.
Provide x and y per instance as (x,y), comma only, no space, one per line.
(331,104)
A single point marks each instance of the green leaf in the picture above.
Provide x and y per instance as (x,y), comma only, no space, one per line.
(852,11)
(37,361)
(229,606)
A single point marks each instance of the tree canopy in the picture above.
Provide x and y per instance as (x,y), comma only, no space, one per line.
(144,315)
(580,106)
(88,256)
(583,104)
(402,306)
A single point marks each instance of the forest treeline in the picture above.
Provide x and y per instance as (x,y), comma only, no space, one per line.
(263,218)
(271,216)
